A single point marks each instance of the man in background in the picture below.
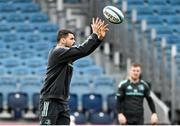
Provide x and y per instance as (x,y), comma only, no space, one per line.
(130,97)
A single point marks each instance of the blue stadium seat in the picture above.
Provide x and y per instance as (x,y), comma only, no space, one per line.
(2,45)
(48,28)
(8,38)
(5,28)
(4,53)
(174,2)
(2,71)
(173,20)
(135,2)
(15,18)
(103,80)
(29,8)
(80,118)
(157,2)
(39,18)
(73,102)
(30,89)
(21,71)
(52,37)
(104,90)
(11,62)
(100,118)
(92,102)
(24,28)
(5,89)
(35,102)
(35,62)
(18,46)
(21,1)
(26,54)
(41,46)
(75,90)
(33,38)
(8,80)
(163,10)
(92,70)
(85,79)
(31,80)
(7,8)
(111,102)
(3,1)
(17,102)
(84,62)
(40,71)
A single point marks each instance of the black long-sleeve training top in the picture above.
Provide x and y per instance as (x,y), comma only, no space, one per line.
(59,69)
(130,98)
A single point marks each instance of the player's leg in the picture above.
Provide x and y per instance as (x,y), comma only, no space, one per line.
(48,112)
(64,115)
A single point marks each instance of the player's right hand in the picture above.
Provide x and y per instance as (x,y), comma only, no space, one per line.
(122,119)
(99,27)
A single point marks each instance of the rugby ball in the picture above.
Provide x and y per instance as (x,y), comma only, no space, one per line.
(113,14)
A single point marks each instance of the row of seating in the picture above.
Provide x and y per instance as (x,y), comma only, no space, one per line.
(91,103)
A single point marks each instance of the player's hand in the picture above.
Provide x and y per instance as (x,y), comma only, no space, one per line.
(99,27)
(154,119)
(122,119)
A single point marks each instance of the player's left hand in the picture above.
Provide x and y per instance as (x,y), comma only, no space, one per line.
(154,118)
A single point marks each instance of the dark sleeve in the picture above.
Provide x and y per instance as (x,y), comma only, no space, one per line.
(74,53)
(120,99)
(149,99)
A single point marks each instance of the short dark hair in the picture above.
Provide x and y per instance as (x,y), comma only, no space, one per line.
(63,34)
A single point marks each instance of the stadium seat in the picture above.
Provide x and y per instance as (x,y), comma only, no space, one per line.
(73,102)
(135,2)
(85,79)
(15,18)
(104,80)
(4,54)
(80,118)
(5,89)
(35,102)
(43,28)
(5,28)
(84,62)
(2,71)
(29,8)
(17,102)
(75,90)
(163,10)
(18,46)
(21,71)
(51,37)
(92,102)
(7,8)
(8,80)
(100,118)
(92,70)
(26,54)
(41,46)
(30,89)
(111,103)
(157,2)
(35,62)
(10,38)
(11,62)
(39,18)
(174,2)
(33,38)
(31,80)
(25,28)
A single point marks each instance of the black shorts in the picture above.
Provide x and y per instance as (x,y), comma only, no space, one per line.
(53,112)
